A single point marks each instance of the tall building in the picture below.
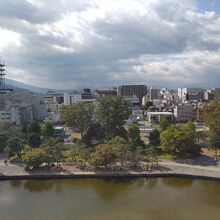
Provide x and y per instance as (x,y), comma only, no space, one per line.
(189,94)
(132,90)
(154,94)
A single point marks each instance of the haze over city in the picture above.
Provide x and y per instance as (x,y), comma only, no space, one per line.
(97,43)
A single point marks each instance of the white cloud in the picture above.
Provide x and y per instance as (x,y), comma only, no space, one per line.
(101,42)
(8,38)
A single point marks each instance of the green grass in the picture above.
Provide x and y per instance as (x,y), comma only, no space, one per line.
(166,156)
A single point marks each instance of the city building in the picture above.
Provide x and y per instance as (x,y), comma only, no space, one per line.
(154,94)
(86,94)
(145,99)
(184,113)
(106,92)
(132,90)
(189,94)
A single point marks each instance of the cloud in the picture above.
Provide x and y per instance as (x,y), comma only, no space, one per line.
(74,44)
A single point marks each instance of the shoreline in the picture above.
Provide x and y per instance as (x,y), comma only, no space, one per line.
(167,168)
(107,175)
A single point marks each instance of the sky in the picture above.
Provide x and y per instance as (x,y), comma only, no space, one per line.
(71,44)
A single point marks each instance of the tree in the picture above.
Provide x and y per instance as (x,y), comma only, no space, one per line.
(135,156)
(134,137)
(34,139)
(154,138)
(48,130)
(51,147)
(24,128)
(78,116)
(164,124)
(180,139)
(210,114)
(122,147)
(214,141)
(104,155)
(3,141)
(80,153)
(201,136)
(14,147)
(112,112)
(58,152)
(94,134)
(34,127)
(34,158)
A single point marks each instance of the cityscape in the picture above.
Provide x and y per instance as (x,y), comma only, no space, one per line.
(20,106)
(109,110)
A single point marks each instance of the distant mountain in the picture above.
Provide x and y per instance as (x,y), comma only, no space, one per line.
(21,85)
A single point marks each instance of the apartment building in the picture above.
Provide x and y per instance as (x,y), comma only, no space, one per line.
(132,90)
(184,113)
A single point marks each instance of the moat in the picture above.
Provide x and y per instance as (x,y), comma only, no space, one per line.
(97,199)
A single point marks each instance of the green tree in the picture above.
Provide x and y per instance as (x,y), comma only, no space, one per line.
(34,127)
(134,137)
(53,150)
(3,141)
(201,136)
(180,139)
(112,112)
(210,114)
(164,124)
(14,147)
(135,156)
(122,147)
(48,130)
(24,128)
(58,149)
(34,139)
(94,134)
(214,140)
(154,138)
(78,116)
(104,155)
(34,158)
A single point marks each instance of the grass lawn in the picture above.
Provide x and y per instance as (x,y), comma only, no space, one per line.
(166,157)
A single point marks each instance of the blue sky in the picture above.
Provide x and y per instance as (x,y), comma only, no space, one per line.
(209,5)
(99,43)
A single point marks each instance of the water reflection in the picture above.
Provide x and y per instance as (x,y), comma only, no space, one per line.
(16,183)
(151,183)
(177,182)
(39,185)
(105,189)
(110,199)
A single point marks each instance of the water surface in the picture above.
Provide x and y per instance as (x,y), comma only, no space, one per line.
(95,199)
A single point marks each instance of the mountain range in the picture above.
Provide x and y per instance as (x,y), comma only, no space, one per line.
(16,84)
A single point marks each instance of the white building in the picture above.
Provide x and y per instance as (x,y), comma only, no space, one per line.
(17,114)
(184,112)
(40,108)
(71,98)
